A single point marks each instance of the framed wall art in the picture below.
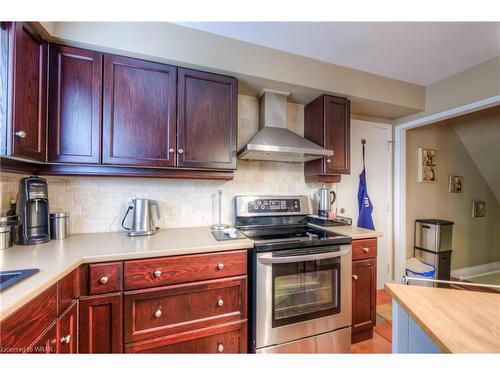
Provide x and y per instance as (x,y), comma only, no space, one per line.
(456,184)
(478,209)
(426,165)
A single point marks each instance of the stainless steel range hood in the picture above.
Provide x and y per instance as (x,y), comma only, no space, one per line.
(274,142)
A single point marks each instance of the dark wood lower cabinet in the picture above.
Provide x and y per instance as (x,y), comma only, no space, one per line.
(100,325)
(191,316)
(172,310)
(226,338)
(364,290)
(46,343)
(25,326)
(67,330)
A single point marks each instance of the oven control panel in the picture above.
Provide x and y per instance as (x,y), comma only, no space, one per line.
(274,205)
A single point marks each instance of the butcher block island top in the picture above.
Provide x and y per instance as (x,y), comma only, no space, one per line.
(56,259)
(458,321)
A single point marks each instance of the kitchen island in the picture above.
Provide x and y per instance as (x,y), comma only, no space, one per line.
(434,320)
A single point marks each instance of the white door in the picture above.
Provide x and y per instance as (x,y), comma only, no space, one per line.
(379,180)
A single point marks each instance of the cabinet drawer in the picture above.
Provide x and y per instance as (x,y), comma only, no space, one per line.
(227,338)
(105,277)
(364,249)
(175,309)
(147,273)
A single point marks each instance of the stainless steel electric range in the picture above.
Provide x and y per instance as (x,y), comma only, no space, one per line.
(300,278)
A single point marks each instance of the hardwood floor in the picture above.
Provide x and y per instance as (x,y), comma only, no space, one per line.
(377,345)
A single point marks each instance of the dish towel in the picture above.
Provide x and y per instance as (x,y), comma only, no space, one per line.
(364,203)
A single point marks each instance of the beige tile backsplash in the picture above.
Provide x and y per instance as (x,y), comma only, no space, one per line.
(97,204)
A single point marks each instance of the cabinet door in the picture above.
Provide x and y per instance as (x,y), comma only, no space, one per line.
(364,273)
(139,114)
(337,134)
(25,325)
(46,343)
(206,134)
(29,97)
(67,330)
(100,326)
(75,79)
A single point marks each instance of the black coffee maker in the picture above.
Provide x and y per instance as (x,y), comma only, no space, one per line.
(33,209)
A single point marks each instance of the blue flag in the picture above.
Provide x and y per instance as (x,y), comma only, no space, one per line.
(364,203)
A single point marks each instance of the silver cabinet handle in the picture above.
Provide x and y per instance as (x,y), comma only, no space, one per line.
(220,302)
(328,160)
(220,348)
(268,259)
(158,313)
(171,150)
(20,134)
(103,280)
(220,266)
(180,151)
(157,273)
(354,277)
(66,339)
(366,250)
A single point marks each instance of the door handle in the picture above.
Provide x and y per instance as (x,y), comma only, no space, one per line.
(269,259)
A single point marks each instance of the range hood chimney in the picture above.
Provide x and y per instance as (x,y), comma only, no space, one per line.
(274,142)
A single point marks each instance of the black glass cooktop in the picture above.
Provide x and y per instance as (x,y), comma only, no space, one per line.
(292,236)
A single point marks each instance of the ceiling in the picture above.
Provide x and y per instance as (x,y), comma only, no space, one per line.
(416,52)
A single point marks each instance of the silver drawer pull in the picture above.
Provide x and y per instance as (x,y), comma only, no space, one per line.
(171,150)
(158,313)
(354,277)
(220,348)
(366,250)
(328,160)
(220,266)
(66,339)
(157,273)
(220,302)
(180,151)
(103,280)
(20,134)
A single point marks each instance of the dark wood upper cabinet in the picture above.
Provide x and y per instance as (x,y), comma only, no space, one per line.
(75,84)
(207,124)
(327,123)
(139,113)
(29,93)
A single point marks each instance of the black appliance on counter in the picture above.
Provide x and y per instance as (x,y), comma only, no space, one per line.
(299,278)
(32,207)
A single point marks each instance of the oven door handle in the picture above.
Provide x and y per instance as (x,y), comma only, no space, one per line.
(269,259)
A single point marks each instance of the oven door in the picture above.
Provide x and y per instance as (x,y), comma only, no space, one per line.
(301,293)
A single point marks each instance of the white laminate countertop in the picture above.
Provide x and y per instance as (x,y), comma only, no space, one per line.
(355,233)
(56,259)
